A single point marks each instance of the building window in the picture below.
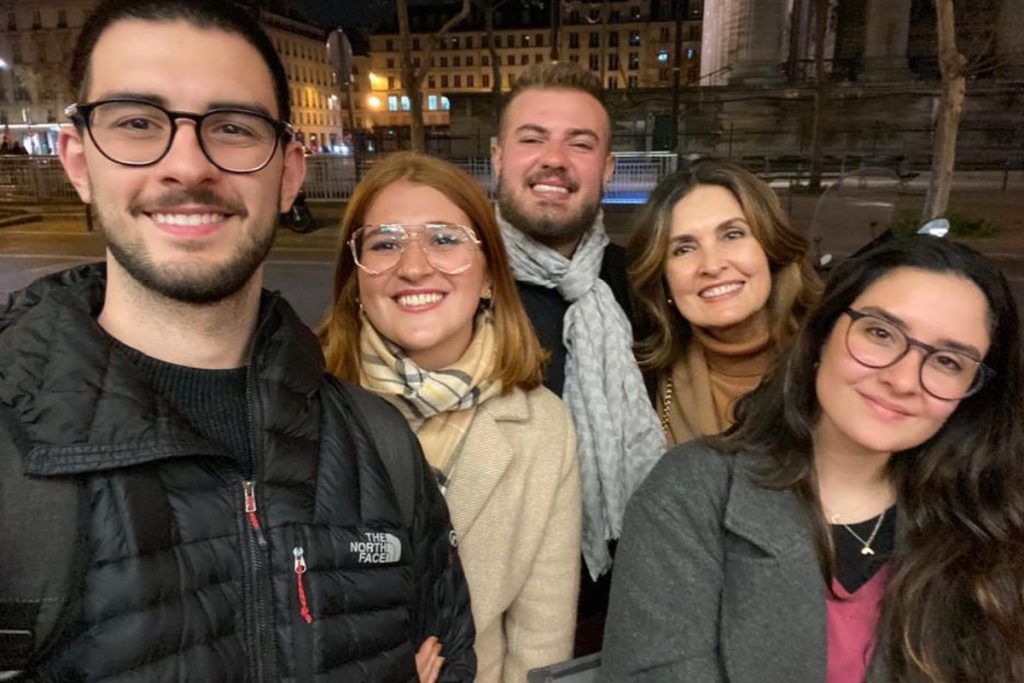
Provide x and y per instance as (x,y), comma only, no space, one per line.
(663,56)
(595,39)
(574,16)
(485,42)
(432,102)
(613,62)
(539,41)
(392,102)
(444,62)
(16,50)
(37,19)
(391,83)
(469,42)
(634,38)
(485,81)
(416,43)
(524,59)
(574,39)
(455,42)
(62,18)
(389,46)
(595,62)
(664,35)
(613,82)
(634,12)
(632,82)
(416,62)
(445,103)
(470,81)
(694,31)
(634,61)
(391,62)
(615,15)
(511,80)
(405,103)
(510,60)
(574,58)
(526,40)
(457,80)
(690,53)
(431,81)
(538,58)
(497,41)
(444,81)
(12,22)
(485,60)
(469,60)
(613,39)
(511,40)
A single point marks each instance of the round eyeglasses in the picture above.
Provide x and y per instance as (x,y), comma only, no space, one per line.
(139,133)
(448,247)
(946,374)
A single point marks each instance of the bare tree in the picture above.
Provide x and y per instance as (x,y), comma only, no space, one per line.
(489,8)
(822,91)
(955,67)
(413,75)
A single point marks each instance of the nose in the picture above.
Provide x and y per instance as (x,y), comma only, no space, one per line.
(712,263)
(413,263)
(553,155)
(904,376)
(185,162)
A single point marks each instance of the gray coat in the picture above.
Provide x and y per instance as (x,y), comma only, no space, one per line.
(716,579)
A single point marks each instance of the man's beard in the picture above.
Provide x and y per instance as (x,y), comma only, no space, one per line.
(200,285)
(549,230)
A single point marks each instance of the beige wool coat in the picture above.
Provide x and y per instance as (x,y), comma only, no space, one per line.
(514,500)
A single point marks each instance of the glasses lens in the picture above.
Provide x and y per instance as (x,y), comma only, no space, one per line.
(130,132)
(875,342)
(950,375)
(238,141)
(448,248)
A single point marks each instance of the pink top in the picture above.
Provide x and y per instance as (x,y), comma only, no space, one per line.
(851,628)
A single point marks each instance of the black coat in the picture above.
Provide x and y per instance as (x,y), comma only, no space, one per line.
(181,579)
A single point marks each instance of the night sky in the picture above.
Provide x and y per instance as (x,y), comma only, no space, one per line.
(349,13)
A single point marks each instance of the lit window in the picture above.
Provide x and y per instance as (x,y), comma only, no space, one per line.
(690,53)
(445,103)
(662,56)
(432,102)
(392,102)
(405,103)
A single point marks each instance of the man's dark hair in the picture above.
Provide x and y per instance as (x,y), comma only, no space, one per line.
(556,76)
(218,14)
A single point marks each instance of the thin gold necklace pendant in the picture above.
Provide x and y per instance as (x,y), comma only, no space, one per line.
(866,550)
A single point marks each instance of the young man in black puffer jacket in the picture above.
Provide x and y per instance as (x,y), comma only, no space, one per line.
(184,494)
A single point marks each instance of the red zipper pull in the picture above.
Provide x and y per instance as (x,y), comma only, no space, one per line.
(300,570)
(250,504)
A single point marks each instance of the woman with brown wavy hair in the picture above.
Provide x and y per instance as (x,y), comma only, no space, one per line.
(864,518)
(721,280)
(426,313)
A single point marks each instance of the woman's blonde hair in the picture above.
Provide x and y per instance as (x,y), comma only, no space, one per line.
(519,357)
(661,332)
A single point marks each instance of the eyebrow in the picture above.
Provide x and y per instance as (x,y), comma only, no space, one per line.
(161,101)
(572,132)
(738,221)
(946,344)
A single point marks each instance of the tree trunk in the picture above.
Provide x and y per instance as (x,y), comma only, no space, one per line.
(677,73)
(821,92)
(556,28)
(947,121)
(495,62)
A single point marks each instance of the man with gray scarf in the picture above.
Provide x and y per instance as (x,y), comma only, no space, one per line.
(552,160)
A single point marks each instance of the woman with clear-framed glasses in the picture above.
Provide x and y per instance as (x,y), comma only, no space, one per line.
(425,313)
(864,518)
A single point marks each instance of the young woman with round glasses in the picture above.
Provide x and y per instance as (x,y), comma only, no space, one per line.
(864,518)
(425,312)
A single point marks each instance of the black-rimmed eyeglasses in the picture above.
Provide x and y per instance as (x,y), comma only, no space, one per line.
(946,374)
(139,133)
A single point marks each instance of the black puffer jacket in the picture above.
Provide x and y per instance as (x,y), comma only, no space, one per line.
(187,561)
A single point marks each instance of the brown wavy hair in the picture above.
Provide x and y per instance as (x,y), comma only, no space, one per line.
(519,357)
(662,333)
(953,610)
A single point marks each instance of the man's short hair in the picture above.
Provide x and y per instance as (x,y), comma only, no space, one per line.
(215,14)
(556,76)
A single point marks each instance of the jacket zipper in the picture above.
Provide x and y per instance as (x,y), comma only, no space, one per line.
(256,544)
(302,627)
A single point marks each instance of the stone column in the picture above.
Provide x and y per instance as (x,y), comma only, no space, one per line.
(885,41)
(760,30)
(1010,56)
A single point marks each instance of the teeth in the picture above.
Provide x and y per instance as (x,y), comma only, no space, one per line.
(188,218)
(419,299)
(720,290)
(541,187)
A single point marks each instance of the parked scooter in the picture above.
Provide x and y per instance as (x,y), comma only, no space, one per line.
(299,218)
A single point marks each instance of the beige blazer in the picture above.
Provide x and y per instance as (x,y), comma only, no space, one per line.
(514,500)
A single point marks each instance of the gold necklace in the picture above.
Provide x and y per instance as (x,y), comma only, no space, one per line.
(666,404)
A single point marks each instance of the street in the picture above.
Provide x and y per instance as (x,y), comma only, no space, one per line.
(300,266)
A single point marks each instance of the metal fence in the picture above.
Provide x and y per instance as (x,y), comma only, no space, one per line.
(34,179)
(332,178)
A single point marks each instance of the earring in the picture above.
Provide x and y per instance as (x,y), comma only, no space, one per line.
(670,302)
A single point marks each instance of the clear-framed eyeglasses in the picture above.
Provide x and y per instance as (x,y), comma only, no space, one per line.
(448,247)
(140,133)
(946,374)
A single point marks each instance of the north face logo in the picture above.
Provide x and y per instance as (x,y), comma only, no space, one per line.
(378,548)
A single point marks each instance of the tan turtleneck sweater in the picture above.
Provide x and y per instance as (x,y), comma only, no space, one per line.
(708,379)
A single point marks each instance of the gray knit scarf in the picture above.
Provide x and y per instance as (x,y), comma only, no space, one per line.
(617,431)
